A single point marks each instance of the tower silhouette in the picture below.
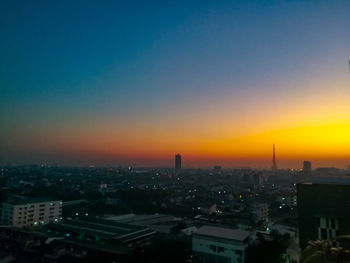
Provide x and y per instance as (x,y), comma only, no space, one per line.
(274,165)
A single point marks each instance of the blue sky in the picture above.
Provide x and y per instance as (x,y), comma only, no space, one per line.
(128,61)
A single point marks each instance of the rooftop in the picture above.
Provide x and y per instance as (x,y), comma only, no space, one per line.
(342,180)
(104,229)
(226,233)
(22,200)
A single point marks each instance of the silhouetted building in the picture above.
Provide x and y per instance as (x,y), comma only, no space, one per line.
(323,209)
(217,169)
(307,168)
(177,162)
(274,164)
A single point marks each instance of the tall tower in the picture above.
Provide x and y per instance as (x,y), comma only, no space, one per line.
(177,162)
(274,165)
(307,168)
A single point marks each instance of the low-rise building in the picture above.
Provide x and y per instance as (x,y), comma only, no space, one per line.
(218,244)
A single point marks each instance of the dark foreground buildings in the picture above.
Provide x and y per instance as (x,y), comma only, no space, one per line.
(323,209)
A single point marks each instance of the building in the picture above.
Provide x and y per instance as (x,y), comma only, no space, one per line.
(274,163)
(156,222)
(307,168)
(323,209)
(208,208)
(22,211)
(217,244)
(103,231)
(287,199)
(177,162)
(260,212)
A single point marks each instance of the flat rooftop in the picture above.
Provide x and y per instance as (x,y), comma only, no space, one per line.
(22,200)
(341,180)
(221,232)
(144,220)
(103,228)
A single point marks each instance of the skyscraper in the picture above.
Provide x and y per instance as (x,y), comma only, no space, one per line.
(177,162)
(274,165)
(307,167)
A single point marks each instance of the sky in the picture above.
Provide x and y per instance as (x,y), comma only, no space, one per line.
(135,82)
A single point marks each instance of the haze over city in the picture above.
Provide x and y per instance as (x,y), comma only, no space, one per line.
(134,83)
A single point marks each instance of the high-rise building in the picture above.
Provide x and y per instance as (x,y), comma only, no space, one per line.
(177,162)
(307,167)
(274,164)
(22,211)
(323,209)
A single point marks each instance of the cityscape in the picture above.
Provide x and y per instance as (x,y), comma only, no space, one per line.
(174,131)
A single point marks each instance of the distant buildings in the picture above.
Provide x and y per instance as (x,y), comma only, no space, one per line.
(177,162)
(260,212)
(323,209)
(22,211)
(208,208)
(217,244)
(307,168)
(287,199)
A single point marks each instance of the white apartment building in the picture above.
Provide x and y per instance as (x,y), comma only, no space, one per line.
(220,245)
(22,211)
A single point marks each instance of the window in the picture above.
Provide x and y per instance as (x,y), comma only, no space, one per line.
(212,248)
(332,223)
(318,221)
(327,222)
(239,252)
(221,249)
(323,233)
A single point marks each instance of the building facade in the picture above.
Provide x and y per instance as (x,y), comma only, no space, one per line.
(220,245)
(323,209)
(24,211)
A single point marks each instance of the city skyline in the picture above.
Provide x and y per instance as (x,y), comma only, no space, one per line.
(217,82)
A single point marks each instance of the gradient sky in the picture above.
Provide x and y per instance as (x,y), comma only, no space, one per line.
(134,82)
